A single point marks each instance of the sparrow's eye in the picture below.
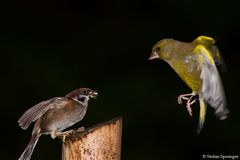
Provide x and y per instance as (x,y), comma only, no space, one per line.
(87,92)
(158,49)
(81,98)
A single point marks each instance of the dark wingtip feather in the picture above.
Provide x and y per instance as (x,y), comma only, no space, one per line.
(222,114)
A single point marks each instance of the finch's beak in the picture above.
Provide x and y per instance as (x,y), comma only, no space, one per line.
(153,55)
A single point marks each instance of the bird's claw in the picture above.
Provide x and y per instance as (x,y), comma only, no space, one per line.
(188,105)
(182,97)
(63,135)
(81,129)
(188,98)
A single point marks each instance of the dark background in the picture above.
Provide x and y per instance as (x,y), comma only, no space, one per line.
(49,48)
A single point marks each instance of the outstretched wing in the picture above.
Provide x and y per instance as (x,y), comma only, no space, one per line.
(212,89)
(209,44)
(39,109)
(219,61)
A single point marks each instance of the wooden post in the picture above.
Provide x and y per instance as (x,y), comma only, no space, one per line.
(100,142)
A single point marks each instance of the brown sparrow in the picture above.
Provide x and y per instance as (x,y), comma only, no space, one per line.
(54,115)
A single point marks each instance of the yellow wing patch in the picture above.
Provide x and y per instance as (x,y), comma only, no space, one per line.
(200,49)
(204,40)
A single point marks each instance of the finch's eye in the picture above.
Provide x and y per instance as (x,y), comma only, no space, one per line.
(157,49)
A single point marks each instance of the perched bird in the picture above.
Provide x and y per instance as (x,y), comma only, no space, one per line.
(195,63)
(54,115)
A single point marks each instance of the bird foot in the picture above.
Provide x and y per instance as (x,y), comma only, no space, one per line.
(182,97)
(81,129)
(185,97)
(63,135)
(188,98)
(188,106)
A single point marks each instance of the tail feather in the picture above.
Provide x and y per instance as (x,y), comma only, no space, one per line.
(26,155)
(203,109)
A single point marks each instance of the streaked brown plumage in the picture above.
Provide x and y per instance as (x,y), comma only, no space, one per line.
(54,115)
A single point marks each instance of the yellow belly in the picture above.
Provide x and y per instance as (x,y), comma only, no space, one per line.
(190,77)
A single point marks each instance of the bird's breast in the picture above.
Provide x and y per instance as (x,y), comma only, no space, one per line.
(188,70)
(61,118)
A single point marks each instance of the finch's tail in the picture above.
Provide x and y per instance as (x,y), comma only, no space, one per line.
(202,114)
(26,155)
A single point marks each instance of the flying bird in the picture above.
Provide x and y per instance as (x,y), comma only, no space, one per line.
(195,63)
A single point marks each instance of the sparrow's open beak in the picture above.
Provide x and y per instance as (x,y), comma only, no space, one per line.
(153,55)
(93,94)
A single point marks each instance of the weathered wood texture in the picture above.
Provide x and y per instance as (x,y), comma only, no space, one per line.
(101,142)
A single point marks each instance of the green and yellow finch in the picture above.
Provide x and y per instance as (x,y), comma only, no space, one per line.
(195,63)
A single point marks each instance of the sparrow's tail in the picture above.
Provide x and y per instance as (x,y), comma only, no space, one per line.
(202,114)
(26,155)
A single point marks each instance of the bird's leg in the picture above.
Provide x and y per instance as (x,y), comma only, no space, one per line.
(188,105)
(184,97)
(187,97)
(53,134)
(63,135)
(81,129)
